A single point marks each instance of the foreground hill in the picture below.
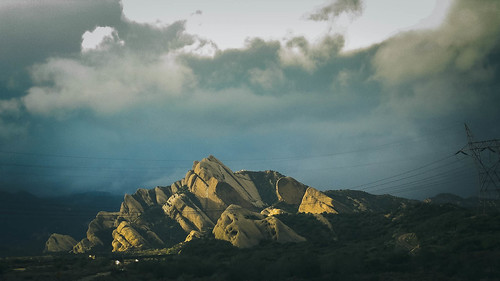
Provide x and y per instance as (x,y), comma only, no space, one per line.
(419,241)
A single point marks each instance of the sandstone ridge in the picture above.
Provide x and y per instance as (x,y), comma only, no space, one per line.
(241,207)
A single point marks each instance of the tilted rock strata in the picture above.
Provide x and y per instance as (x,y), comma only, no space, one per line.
(210,192)
(99,229)
(126,238)
(142,199)
(210,175)
(244,228)
(183,210)
(59,243)
(316,202)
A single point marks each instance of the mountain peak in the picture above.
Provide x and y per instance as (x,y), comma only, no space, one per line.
(237,207)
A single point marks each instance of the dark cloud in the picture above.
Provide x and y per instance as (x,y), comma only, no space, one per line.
(307,109)
(31,31)
(337,8)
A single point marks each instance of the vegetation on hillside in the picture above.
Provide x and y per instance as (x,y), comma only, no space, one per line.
(416,242)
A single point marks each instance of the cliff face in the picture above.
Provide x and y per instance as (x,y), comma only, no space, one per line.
(239,207)
(244,228)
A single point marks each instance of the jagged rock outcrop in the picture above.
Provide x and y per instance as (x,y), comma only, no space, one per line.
(59,243)
(290,191)
(98,233)
(142,199)
(241,207)
(194,234)
(271,211)
(183,210)
(216,187)
(316,202)
(244,228)
(125,237)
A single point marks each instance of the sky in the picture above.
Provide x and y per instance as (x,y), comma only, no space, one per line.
(348,94)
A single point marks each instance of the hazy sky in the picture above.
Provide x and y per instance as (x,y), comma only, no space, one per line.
(116,95)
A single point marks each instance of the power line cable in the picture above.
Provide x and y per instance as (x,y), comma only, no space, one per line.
(403,173)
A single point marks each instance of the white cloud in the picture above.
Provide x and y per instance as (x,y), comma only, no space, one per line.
(99,37)
(300,52)
(108,87)
(469,33)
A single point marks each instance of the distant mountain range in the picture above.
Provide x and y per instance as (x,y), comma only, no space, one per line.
(27,220)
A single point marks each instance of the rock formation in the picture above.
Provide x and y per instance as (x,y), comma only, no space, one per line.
(59,243)
(240,207)
(290,191)
(98,233)
(316,202)
(183,210)
(244,228)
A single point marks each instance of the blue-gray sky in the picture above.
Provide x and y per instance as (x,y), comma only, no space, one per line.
(372,95)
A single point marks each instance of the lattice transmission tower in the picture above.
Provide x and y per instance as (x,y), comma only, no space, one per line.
(486,155)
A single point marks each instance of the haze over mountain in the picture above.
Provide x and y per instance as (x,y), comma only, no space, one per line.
(111,96)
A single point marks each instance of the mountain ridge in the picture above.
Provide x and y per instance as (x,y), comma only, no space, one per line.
(213,200)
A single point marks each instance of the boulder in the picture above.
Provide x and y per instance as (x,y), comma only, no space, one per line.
(244,228)
(59,243)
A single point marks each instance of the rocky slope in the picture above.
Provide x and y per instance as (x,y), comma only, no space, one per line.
(238,207)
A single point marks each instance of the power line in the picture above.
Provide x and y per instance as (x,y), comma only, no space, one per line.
(418,182)
(403,173)
(408,177)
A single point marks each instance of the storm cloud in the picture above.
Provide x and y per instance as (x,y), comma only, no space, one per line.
(137,107)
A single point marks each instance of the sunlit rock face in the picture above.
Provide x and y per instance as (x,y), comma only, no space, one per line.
(216,187)
(126,237)
(271,211)
(316,202)
(193,235)
(244,228)
(185,212)
(59,243)
(241,207)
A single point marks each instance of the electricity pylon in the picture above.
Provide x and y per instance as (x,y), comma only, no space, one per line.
(486,155)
